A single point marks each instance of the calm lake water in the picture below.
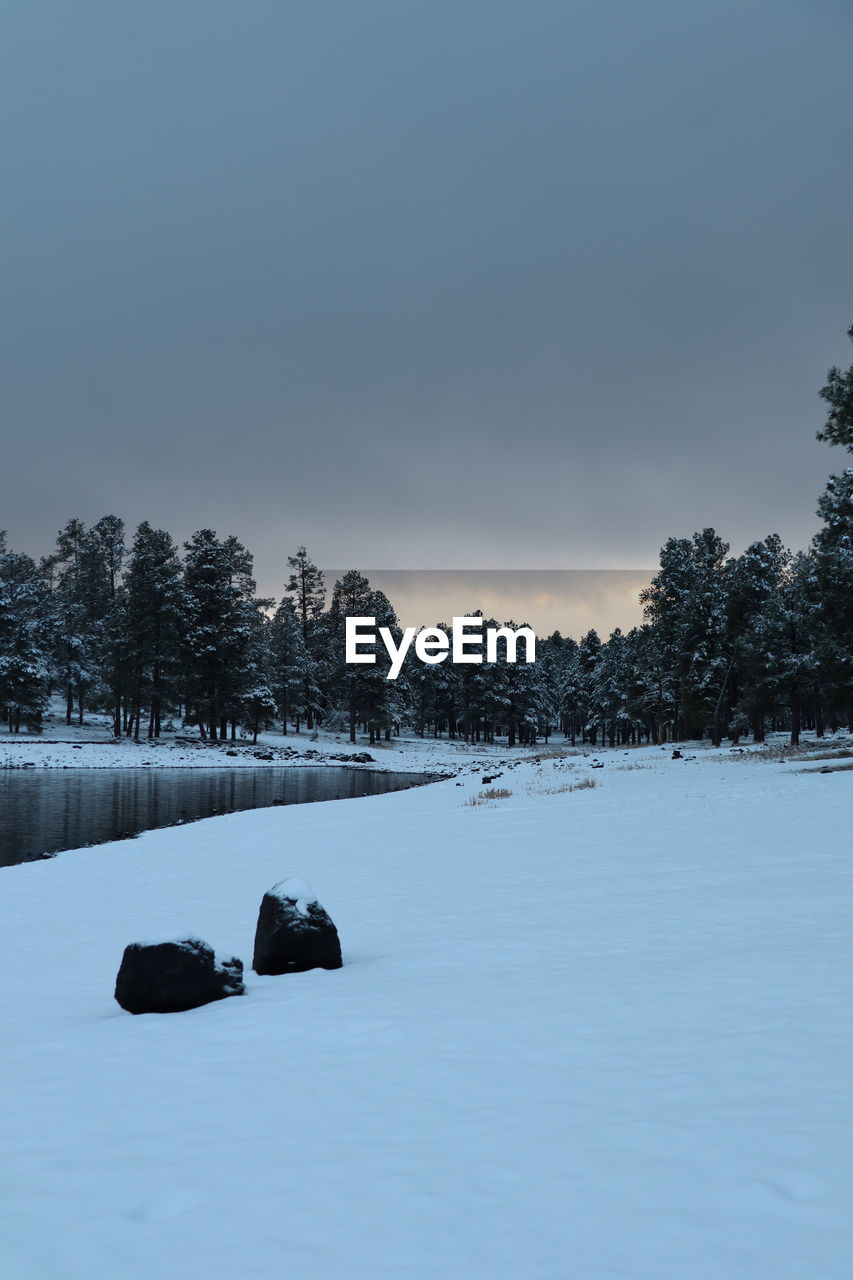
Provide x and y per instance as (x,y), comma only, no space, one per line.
(43,811)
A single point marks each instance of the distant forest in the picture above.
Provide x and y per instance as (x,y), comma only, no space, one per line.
(731,645)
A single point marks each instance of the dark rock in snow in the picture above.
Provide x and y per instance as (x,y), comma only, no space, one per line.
(676,755)
(294,932)
(171,977)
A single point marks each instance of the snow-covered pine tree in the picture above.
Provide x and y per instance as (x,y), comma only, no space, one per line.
(70,649)
(444,684)
(752,624)
(838,394)
(685,603)
(514,691)
(100,561)
(833,568)
(793,637)
(218,599)
(588,657)
(345,683)
(609,689)
(293,670)
(358,694)
(257,702)
(308,589)
(470,681)
(153,603)
(246,651)
(569,688)
(25,618)
(382,699)
(548,691)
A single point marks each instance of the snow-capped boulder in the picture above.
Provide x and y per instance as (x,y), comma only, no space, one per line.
(294,932)
(175,975)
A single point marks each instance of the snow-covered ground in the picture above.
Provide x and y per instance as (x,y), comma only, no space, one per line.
(598,1033)
(92,746)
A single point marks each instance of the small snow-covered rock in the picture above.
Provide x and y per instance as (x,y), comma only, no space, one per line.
(175,975)
(294,932)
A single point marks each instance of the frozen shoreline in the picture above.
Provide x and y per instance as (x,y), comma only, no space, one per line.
(82,749)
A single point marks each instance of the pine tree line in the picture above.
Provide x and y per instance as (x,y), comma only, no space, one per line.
(730,645)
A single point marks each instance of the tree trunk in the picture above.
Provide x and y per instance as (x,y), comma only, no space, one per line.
(716,731)
(156,699)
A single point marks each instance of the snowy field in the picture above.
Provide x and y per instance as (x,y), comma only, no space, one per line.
(596,1034)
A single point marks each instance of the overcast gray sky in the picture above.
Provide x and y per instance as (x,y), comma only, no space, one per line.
(488,283)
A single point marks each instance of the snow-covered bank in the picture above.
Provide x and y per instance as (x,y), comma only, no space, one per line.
(597,1033)
(91,746)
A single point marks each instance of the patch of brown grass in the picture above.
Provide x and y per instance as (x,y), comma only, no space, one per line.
(585,784)
(491,793)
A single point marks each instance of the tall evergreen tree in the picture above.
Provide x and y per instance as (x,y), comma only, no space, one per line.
(101,558)
(293,672)
(752,624)
(838,394)
(308,589)
(152,624)
(685,602)
(24,640)
(70,635)
(794,651)
(213,629)
(358,693)
(833,567)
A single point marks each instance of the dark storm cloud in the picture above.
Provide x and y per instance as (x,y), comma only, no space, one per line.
(452,282)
